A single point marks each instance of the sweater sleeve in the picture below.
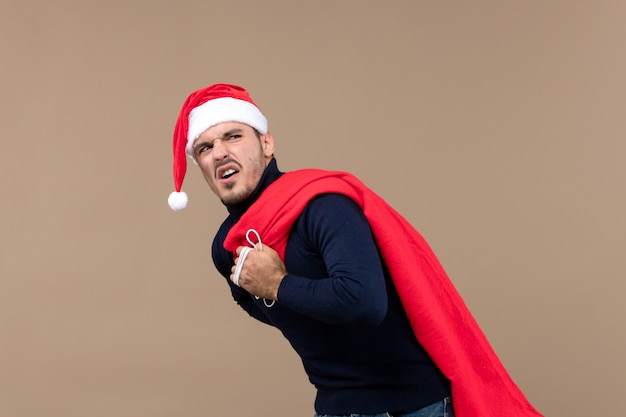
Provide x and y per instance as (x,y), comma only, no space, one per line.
(334,269)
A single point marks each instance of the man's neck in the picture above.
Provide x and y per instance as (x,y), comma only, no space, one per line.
(270,174)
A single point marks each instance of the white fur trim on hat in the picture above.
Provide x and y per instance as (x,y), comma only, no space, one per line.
(220,110)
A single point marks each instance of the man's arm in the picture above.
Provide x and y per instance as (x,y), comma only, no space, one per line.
(332,230)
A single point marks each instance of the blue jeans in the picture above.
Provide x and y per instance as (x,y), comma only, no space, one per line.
(439,409)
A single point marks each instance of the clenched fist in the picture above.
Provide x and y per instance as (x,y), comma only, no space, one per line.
(261,273)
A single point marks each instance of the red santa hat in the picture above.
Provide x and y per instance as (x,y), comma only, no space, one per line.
(204,108)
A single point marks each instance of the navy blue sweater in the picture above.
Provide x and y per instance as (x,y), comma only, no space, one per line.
(339,310)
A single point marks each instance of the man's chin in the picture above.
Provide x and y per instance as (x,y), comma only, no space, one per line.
(233,199)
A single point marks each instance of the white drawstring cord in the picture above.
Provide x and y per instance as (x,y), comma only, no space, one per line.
(258,238)
(242,258)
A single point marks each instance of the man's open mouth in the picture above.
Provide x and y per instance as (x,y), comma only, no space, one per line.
(228,173)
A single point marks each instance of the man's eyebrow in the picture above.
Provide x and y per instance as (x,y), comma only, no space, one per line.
(200,145)
(209,142)
(231,131)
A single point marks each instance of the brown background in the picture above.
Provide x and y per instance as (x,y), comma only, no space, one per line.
(497,128)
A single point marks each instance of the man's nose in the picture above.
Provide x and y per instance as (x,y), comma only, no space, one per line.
(220,150)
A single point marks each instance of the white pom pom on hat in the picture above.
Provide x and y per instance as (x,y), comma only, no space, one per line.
(204,108)
(177,200)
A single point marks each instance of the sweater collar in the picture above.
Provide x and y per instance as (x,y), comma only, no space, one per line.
(270,175)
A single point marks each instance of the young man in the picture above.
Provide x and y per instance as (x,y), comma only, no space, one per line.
(352,286)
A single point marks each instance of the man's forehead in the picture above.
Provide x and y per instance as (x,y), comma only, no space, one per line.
(219,130)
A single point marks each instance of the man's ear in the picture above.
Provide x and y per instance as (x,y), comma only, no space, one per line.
(267,142)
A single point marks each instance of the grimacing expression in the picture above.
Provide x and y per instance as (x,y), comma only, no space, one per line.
(232,157)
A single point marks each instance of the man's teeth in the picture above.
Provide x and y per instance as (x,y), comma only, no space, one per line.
(228,173)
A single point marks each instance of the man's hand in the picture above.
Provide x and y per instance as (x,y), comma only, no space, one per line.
(261,273)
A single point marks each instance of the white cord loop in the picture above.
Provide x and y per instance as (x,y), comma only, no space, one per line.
(242,258)
(258,238)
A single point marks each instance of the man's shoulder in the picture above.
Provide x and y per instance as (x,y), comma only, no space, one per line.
(330,200)
(331,206)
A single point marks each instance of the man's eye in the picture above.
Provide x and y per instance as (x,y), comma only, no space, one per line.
(204,149)
(231,137)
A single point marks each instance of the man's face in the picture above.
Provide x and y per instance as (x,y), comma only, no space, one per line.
(232,159)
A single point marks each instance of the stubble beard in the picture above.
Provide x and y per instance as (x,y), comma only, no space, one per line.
(239,196)
(236,198)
